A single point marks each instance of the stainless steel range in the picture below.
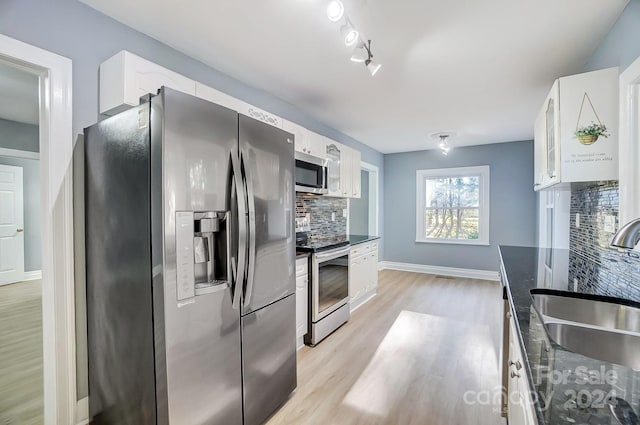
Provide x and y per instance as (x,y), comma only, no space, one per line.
(329,292)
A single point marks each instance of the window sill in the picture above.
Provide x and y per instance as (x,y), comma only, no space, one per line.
(479,242)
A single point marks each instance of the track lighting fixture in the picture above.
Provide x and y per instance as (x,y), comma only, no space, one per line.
(362,51)
(335,10)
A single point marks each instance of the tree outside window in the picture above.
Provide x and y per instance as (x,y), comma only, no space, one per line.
(453,205)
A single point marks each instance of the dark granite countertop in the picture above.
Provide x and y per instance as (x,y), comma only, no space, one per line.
(569,388)
(356,239)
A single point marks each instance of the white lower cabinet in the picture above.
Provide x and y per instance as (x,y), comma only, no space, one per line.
(302,299)
(520,405)
(363,273)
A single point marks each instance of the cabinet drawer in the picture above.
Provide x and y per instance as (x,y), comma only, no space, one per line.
(363,248)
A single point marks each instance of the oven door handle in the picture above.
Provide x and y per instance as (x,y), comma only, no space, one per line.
(336,253)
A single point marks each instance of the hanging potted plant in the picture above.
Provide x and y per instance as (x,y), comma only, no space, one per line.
(588,135)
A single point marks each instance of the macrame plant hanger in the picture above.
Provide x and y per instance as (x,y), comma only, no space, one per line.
(587,98)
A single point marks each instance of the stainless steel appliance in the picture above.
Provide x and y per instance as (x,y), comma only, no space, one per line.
(329,292)
(190,263)
(311,174)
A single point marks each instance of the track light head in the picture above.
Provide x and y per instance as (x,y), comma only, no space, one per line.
(335,10)
(349,34)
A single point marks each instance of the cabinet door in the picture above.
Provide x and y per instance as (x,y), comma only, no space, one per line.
(334,154)
(373,270)
(540,146)
(356,172)
(346,172)
(317,145)
(125,77)
(302,283)
(215,96)
(552,134)
(298,133)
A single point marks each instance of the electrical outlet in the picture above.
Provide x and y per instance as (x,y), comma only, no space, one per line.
(344,212)
(577,220)
(333,216)
(575,285)
(610,223)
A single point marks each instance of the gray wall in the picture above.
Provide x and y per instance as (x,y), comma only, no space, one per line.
(512,205)
(72,29)
(31,196)
(621,46)
(359,209)
(16,135)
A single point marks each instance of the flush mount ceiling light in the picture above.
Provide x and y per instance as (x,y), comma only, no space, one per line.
(335,10)
(443,141)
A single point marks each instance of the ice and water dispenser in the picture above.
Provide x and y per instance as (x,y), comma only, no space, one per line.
(202,252)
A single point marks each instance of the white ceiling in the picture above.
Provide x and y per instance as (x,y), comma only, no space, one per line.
(478,68)
(18,95)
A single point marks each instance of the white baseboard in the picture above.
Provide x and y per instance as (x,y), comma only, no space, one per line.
(82,411)
(34,275)
(439,270)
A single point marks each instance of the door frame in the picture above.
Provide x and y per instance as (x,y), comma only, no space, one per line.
(629,143)
(56,150)
(374,193)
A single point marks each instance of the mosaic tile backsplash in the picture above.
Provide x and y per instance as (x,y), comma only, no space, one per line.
(597,268)
(320,209)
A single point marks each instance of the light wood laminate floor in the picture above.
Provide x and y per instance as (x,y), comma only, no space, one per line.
(408,356)
(21,381)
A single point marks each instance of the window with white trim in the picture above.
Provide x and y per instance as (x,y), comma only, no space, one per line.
(452,205)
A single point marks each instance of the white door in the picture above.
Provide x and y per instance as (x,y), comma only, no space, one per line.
(11,225)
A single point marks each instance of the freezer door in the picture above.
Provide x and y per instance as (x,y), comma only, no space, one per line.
(269,359)
(267,158)
(191,168)
(118,270)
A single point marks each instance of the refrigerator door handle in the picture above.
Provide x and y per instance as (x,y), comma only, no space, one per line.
(242,230)
(252,233)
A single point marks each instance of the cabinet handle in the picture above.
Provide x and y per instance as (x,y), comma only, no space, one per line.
(517,364)
(509,315)
(515,375)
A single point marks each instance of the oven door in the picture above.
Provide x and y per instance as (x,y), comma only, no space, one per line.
(311,174)
(330,282)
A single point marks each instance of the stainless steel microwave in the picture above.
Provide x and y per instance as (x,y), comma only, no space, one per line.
(311,174)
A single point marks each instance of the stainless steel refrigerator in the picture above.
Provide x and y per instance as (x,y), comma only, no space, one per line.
(190,262)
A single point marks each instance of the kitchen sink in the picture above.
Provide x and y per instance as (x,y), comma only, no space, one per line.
(608,313)
(610,346)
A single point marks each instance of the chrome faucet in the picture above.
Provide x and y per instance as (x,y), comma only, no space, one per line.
(627,236)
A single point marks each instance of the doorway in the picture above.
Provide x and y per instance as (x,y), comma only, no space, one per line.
(37,234)
(21,360)
(363,211)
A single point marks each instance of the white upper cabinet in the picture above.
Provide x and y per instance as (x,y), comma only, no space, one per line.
(334,152)
(215,96)
(306,141)
(125,77)
(350,169)
(576,131)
